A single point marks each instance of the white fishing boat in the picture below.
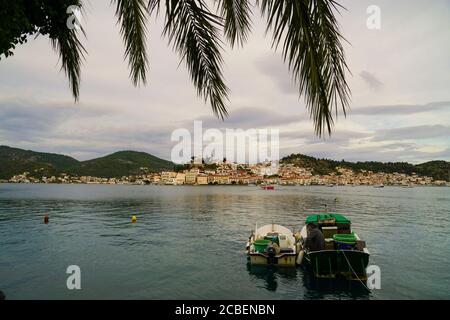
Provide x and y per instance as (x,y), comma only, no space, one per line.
(272,244)
(345,255)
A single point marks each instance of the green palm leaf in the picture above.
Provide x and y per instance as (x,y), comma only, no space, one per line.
(312,47)
(237,15)
(132,16)
(71,53)
(194,32)
(306,30)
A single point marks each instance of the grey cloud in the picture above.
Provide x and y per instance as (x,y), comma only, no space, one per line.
(416,132)
(340,136)
(53,128)
(273,67)
(250,117)
(371,80)
(401,109)
(386,153)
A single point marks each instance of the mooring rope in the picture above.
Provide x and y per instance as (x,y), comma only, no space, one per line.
(356,275)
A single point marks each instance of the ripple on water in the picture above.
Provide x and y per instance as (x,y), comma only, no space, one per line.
(188,242)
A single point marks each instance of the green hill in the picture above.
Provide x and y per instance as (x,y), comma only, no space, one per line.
(16,161)
(438,170)
(120,164)
(124,163)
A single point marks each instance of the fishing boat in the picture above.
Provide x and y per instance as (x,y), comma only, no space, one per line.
(379,186)
(345,255)
(272,244)
(267,187)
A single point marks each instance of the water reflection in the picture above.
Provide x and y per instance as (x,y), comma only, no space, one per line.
(271,275)
(332,288)
(186,237)
(312,287)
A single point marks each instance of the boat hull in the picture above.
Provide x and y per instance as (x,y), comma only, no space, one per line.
(282,260)
(348,264)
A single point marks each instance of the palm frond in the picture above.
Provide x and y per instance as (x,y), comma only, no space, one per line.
(153,5)
(194,32)
(312,47)
(237,15)
(71,53)
(131,14)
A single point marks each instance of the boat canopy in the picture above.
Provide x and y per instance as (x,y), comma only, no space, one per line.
(314,218)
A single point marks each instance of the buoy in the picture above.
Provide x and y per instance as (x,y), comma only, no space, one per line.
(46,218)
(133,219)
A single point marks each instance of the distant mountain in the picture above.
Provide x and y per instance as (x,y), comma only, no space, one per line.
(438,170)
(120,164)
(16,161)
(123,163)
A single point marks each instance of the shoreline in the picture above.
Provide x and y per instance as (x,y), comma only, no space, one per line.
(226,185)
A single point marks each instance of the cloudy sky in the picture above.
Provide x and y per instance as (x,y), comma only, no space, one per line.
(400,82)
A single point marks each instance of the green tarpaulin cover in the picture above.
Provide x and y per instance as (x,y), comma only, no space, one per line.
(339,218)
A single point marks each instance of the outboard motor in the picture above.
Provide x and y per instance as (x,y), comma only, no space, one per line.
(271,252)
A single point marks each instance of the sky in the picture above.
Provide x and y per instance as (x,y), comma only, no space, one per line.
(399,109)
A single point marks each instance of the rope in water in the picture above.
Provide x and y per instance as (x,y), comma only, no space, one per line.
(348,262)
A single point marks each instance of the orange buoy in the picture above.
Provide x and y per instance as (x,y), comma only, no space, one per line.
(46,218)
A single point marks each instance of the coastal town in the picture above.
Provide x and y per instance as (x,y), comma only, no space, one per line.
(268,173)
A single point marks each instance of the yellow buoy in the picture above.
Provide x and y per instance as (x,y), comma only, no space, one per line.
(133,219)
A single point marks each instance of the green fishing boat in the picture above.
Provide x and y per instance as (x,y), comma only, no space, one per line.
(345,255)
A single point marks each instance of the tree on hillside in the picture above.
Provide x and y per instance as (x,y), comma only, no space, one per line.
(306,31)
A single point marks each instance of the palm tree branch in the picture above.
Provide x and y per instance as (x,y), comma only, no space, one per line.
(237,15)
(131,14)
(314,53)
(71,53)
(193,31)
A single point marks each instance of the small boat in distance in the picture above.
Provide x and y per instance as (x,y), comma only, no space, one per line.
(379,186)
(267,187)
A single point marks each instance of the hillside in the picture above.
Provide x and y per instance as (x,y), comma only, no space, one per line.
(15,161)
(123,163)
(438,170)
(120,164)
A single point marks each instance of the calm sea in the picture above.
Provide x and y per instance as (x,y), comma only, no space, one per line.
(188,242)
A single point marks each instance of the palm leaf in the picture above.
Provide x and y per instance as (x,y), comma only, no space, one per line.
(194,32)
(312,47)
(132,17)
(71,53)
(237,15)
